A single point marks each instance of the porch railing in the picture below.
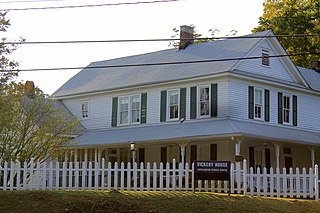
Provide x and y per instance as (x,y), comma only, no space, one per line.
(156,177)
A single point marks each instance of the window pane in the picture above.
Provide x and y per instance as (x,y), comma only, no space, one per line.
(124,117)
(204,108)
(135,116)
(174,112)
(204,94)
(258,97)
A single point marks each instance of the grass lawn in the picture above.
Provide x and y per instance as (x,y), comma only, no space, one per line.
(113,201)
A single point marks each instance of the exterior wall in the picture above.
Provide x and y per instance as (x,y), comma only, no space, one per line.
(308,105)
(100,106)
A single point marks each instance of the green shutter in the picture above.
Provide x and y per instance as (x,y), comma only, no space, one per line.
(114,111)
(193,102)
(251,102)
(214,100)
(266,105)
(163,106)
(280,117)
(143,108)
(295,111)
(182,103)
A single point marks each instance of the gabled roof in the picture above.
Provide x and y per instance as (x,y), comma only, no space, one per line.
(194,130)
(91,80)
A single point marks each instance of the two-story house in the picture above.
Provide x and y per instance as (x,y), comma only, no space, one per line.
(208,101)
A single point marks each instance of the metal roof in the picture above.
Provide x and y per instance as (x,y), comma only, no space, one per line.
(102,79)
(189,130)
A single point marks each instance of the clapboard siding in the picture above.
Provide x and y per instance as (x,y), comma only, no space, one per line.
(100,106)
(308,105)
(275,70)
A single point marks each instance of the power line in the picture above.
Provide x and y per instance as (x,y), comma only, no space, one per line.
(154,40)
(89,5)
(155,64)
(28,1)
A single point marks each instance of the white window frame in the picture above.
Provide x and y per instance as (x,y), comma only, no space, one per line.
(284,109)
(265,53)
(129,97)
(82,111)
(198,101)
(168,104)
(257,89)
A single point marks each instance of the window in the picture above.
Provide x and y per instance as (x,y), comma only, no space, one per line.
(258,103)
(286,109)
(204,101)
(265,57)
(84,110)
(135,109)
(129,109)
(173,105)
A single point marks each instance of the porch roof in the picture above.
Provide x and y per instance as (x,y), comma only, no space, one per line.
(191,130)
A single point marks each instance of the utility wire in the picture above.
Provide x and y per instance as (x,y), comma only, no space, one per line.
(90,5)
(29,1)
(154,64)
(154,40)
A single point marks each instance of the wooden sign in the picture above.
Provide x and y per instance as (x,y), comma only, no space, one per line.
(212,170)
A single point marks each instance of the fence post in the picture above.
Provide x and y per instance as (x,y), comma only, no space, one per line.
(154,176)
(316,182)
(18,175)
(11,175)
(186,177)
(232,178)
(244,176)
(122,176)
(128,176)
(148,176)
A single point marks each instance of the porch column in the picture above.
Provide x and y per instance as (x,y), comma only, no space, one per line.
(95,154)
(182,146)
(278,146)
(238,141)
(66,155)
(85,155)
(75,155)
(313,155)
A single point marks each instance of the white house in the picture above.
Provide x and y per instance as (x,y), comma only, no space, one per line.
(213,100)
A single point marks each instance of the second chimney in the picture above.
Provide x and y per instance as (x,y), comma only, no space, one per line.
(29,89)
(186,36)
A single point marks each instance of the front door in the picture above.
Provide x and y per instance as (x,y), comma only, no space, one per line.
(288,163)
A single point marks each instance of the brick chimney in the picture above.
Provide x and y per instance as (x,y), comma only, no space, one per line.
(315,65)
(29,89)
(186,36)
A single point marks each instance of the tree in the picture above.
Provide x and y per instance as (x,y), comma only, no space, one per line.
(285,17)
(32,126)
(7,67)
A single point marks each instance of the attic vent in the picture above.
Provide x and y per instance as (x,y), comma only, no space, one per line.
(265,57)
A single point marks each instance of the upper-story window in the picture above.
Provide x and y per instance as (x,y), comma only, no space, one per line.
(84,110)
(286,109)
(204,101)
(173,102)
(265,57)
(129,109)
(258,103)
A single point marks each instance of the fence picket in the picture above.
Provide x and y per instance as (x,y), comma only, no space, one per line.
(311,183)
(258,181)
(44,176)
(284,182)
(167,177)
(232,177)
(5,175)
(148,176)
(154,184)
(291,182)
(109,176)
(50,175)
(24,182)
(76,175)
(186,185)
(135,176)
(122,176)
(70,176)
(11,170)
(64,175)
(57,175)
(141,177)
(180,176)
(84,175)
(161,176)
(18,175)
(298,179)
(174,175)
(115,181)
(128,176)
(304,182)
(103,173)
(271,182)
(265,182)
(96,175)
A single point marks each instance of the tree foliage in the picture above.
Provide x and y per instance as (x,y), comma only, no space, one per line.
(294,17)
(32,128)
(7,67)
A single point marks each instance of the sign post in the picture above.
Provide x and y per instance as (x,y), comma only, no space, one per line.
(212,170)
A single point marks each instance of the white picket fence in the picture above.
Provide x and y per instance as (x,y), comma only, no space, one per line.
(154,177)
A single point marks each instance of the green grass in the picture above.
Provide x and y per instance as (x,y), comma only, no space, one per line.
(113,201)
